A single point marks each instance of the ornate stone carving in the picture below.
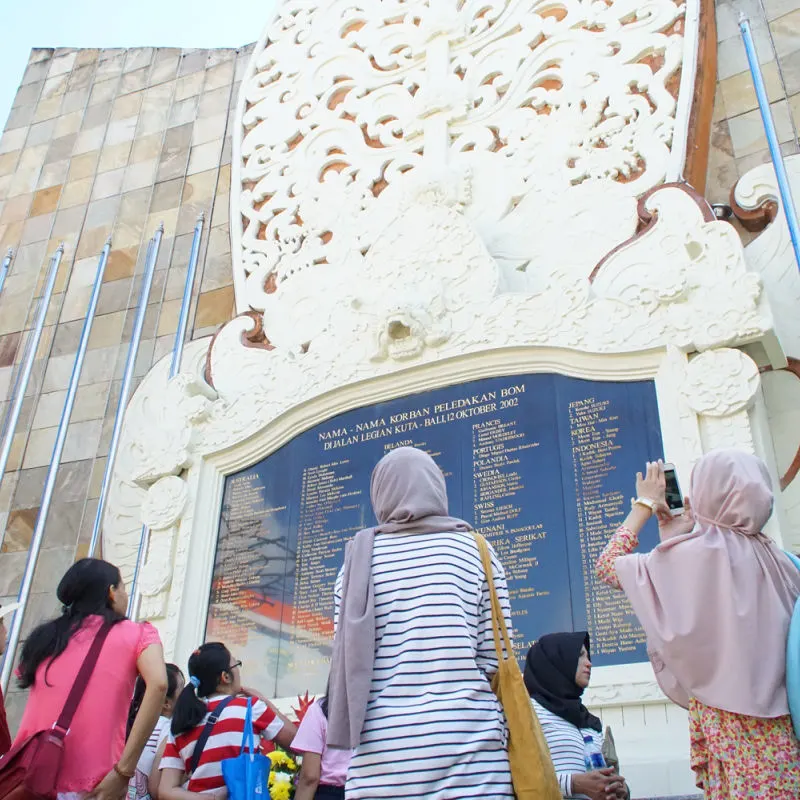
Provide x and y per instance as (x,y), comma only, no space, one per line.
(615,694)
(547,113)
(720,382)
(164,503)
(771,255)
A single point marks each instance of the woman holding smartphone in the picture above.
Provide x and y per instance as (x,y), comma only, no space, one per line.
(715,599)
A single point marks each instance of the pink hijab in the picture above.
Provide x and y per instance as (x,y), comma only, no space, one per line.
(409,495)
(716,602)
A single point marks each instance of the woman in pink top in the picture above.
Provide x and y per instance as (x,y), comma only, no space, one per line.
(97,760)
(324,769)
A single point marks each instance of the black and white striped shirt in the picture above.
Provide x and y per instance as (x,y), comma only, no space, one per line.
(565,742)
(433,729)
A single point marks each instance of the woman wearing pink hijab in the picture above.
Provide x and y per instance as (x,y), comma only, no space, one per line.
(715,598)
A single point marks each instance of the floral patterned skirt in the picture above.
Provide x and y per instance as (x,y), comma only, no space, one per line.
(734,756)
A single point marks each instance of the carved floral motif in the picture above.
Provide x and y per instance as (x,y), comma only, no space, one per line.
(720,382)
(549,112)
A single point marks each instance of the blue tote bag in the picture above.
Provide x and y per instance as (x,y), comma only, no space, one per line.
(793,660)
(247,775)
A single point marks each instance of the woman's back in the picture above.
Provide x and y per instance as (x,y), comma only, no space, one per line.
(433,726)
(97,734)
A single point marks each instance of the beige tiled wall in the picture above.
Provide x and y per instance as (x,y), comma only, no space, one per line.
(738,143)
(99,143)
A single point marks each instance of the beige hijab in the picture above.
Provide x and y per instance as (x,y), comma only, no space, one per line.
(409,495)
(716,602)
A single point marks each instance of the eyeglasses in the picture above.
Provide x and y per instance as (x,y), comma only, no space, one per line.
(234,666)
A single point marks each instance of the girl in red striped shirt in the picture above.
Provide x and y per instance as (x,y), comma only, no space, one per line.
(213,679)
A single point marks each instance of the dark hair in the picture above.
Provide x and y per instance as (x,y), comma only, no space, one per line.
(206,666)
(173,673)
(323,701)
(84,592)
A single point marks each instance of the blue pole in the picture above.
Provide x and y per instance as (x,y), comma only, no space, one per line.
(174,367)
(127,378)
(4,267)
(787,202)
(26,367)
(52,470)
(183,321)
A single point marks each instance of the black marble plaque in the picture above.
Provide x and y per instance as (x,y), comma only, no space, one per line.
(542,465)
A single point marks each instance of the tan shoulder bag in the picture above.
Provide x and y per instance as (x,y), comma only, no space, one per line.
(532,771)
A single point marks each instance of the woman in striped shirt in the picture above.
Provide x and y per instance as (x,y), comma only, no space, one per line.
(214,679)
(557,670)
(414,652)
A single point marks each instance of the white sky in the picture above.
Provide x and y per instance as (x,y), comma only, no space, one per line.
(25,24)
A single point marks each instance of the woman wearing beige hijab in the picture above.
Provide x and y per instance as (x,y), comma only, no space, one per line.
(414,651)
(715,598)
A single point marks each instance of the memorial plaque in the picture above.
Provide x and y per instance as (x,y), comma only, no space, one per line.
(542,465)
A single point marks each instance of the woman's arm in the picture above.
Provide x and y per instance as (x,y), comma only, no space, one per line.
(170,788)
(650,486)
(154,673)
(154,778)
(308,780)
(624,541)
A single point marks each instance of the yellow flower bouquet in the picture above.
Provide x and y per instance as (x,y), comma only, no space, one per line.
(282,775)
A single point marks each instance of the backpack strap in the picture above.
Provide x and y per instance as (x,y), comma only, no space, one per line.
(201,742)
(62,724)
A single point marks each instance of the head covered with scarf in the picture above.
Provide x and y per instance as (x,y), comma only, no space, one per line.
(550,670)
(716,602)
(409,495)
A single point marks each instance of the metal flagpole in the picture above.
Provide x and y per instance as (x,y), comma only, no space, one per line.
(4,267)
(174,368)
(785,189)
(52,471)
(26,367)
(127,377)
(188,287)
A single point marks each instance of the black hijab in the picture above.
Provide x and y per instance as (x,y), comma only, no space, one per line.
(550,677)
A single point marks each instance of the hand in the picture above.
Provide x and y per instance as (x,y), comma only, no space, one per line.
(112,787)
(653,486)
(600,784)
(675,526)
(255,694)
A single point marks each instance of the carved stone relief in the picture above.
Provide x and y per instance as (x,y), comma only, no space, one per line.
(520,110)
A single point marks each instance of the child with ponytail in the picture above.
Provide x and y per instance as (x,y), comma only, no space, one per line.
(213,694)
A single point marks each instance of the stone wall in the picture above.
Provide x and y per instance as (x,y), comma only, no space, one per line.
(737,142)
(99,143)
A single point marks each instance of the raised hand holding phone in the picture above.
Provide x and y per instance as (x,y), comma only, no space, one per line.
(651,487)
(670,526)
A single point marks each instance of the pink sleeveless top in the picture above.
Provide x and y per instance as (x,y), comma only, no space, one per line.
(97,735)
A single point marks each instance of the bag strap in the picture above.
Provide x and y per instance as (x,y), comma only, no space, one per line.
(247,733)
(499,628)
(61,725)
(201,742)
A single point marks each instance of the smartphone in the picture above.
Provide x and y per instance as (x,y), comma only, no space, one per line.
(673,491)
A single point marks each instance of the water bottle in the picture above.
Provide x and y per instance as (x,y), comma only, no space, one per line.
(593,755)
